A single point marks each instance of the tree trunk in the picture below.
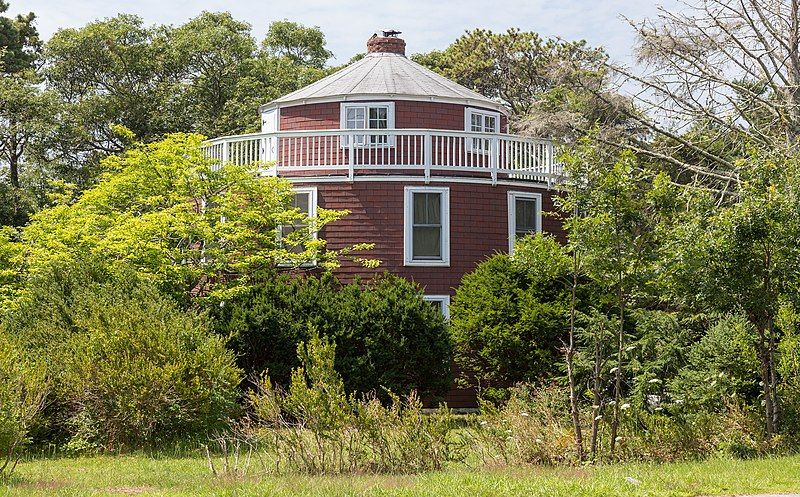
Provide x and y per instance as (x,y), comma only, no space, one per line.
(573,395)
(597,393)
(618,373)
(766,380)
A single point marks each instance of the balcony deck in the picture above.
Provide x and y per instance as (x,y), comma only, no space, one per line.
(422,152)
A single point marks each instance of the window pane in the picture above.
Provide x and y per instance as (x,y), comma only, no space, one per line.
(489,124)
(355,118)
(427,242)
(302,201)
(427,209)
(476,122)
(525,215)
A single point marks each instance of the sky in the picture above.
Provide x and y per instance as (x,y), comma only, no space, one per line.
(426,25)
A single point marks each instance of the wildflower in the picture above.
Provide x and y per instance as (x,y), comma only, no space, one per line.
(538,440)
(484,423)
(618,439)
(625,406)
(598,418)
(524,414)
(654,380)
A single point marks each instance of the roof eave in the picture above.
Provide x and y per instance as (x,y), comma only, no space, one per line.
(362,97)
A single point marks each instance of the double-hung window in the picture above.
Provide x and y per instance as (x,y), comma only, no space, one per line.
(373,115)
(305,201)
(480,121)
(427,226)
(524,216)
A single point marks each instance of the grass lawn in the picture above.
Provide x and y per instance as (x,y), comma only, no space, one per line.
(141,475)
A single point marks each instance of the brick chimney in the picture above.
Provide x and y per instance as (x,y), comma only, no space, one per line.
(386,42)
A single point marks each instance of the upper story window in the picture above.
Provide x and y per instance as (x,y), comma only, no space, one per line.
(524,216)
(372,115)
(427,226)
(480,121)
(305,201)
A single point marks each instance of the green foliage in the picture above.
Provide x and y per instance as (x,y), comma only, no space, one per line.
(316,428)
(721,366)
(23,388)
(130,367)
(19,41)
(166,210)
(386,336)
(302,45)
(508,316)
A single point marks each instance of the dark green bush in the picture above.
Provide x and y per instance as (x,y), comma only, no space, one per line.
(386,337)
(509,315)
(130,367)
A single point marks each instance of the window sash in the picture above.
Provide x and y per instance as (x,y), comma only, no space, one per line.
(426,226)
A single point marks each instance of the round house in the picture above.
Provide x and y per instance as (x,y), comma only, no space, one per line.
(425,166)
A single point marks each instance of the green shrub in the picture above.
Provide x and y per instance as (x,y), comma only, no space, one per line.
(131,368)
(722,365)
(508,316)
(385,335)
(314,427)
(23,388)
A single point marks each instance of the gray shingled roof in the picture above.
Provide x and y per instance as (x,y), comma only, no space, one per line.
(389,76)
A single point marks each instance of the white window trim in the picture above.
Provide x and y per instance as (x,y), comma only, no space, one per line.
(390,142)
(408,222)
(468,113)
(312,213)
(444,299)
(512,215)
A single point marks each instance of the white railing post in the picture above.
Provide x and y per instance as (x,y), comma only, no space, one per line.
(494,157)
(225,145)
(351,139)
(428,153)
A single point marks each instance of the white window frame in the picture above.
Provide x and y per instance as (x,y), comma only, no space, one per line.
(408,225)
(468,113)
(444,299)
(361,140)
(512,215)
(312,213)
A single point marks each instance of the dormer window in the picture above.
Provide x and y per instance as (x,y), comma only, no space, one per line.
(480,121)
(371,115)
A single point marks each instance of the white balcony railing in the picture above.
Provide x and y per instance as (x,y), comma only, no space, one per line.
(413,151)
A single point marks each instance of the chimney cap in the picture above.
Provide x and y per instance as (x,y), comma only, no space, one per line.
(386,41)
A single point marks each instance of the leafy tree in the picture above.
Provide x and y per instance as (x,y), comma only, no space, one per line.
(554,88)
(302,45)
(386,336)
(743,258)
(213,52)
(613,226)
(19,42)
(188,225)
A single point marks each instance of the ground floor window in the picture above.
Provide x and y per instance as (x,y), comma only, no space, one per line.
(427,226)
(442,302)
(524,216)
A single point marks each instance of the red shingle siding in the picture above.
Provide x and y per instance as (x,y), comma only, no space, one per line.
(408,114)
(478,227)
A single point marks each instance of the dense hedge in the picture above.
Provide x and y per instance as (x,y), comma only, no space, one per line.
(509,315)
(386,336)
(129,367)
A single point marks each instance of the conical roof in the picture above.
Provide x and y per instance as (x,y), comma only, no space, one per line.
(390,76)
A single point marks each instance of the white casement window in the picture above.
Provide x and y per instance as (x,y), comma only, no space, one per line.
(373,115)
(524,216)
(427,226)
(305,200)
(442,302)
(480,121)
